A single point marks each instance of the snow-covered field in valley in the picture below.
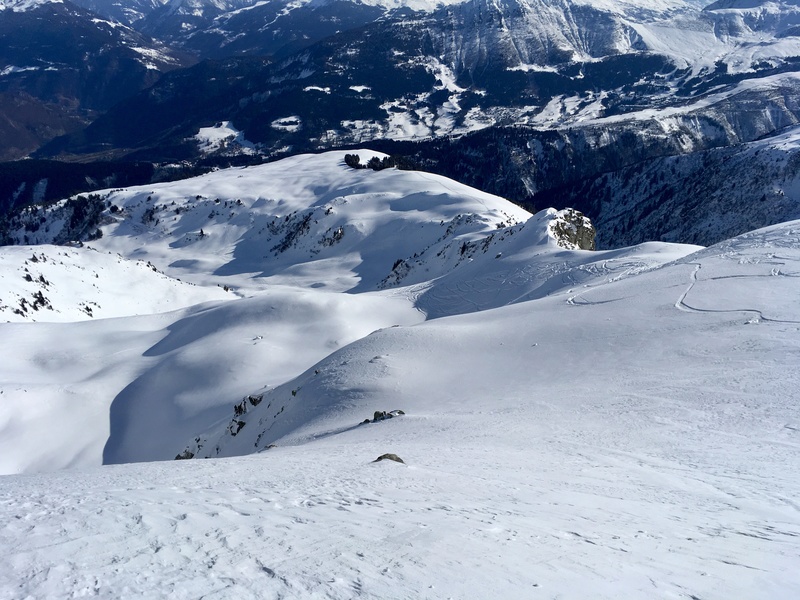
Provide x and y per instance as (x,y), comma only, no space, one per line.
(609,424)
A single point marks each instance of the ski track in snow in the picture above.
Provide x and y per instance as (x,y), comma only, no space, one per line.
(681,303)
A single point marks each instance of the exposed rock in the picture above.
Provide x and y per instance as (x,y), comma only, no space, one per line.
(235,427)
(573,230)
(390,456)
(382,415)
(185,455)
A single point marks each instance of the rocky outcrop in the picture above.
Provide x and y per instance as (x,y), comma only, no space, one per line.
(389,456)
(573,230)
(382,415)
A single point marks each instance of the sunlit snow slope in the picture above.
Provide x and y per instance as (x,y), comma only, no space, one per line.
(623,421)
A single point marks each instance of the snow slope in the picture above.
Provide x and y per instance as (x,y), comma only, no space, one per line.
(287,236)
(62,284)
(307,221)
(635,435)
(621,421)
(576,308)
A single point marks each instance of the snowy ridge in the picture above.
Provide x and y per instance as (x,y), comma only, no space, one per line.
(306,220)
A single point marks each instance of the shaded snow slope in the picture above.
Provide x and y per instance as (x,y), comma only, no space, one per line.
(210,355)
(123,390)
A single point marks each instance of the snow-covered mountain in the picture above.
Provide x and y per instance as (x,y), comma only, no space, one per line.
(240,227)
(620,420)
(52,36)
(573,107)
(217,28)
(461,68)
(296,234)
(127,12)
(580,90)
(221,28)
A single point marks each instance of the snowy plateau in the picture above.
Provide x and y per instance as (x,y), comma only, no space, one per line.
(572,423)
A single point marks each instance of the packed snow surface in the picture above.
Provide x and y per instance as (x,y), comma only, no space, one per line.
(622,421)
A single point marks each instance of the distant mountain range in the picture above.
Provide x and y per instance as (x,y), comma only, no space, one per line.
(571,90)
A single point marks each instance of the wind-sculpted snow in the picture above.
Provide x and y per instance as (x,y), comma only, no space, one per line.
(463,519)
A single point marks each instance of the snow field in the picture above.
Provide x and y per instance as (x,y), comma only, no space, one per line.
(62,284)
(623,422)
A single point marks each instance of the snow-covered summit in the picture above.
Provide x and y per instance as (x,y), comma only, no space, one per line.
(308,218)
